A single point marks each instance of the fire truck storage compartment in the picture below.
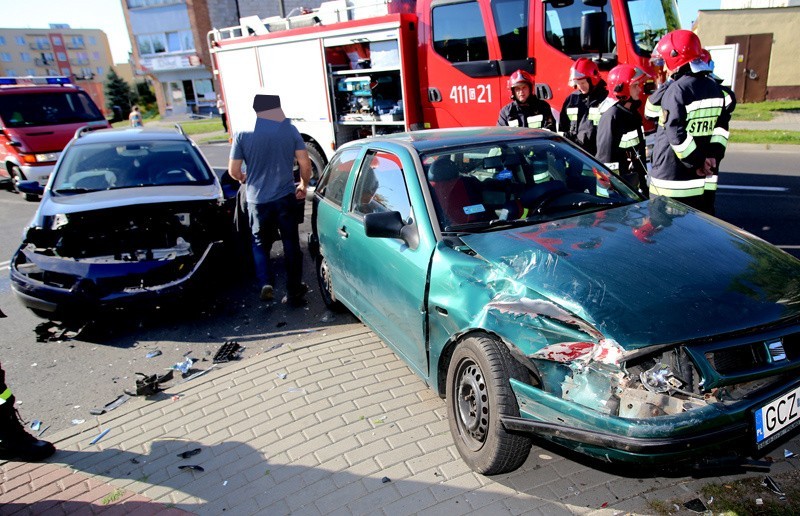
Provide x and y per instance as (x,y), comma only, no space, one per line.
(366,83)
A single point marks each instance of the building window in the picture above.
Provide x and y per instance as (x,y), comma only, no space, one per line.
(25,57)
(92,40)
(30,71)
(57,41)
(62,56)
(188,40)
(5,57)
(41,43)
(20,40)
(3,40)
(152,44)
(52,71)
(11,73)
(65,71)
(100,71)
(96,56)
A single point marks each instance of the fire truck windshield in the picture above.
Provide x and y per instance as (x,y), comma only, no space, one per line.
(650,20)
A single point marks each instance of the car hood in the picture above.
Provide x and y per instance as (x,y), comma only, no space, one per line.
(53,205)
(51,138)
(655,272)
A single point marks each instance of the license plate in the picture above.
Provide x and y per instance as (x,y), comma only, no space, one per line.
(777,417)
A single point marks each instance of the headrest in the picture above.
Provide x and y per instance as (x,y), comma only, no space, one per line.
(442,169)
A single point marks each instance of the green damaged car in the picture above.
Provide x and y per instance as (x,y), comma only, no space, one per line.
(542,296)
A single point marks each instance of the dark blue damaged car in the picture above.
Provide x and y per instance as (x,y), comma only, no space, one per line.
(541,296)
(127,216)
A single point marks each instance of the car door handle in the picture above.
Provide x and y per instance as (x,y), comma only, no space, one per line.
(342,231)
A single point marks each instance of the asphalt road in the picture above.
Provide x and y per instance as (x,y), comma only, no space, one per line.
(58,375)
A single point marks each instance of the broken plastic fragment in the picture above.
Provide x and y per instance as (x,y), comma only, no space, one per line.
(759,501)
(192,467)
(189,453)
(35,425)
(102,434)
(78,421)
(273,347)
(43,430)
(153,354)
(108,407)
(787,453)
(149,385)
(183,367)
(282,376)
(385,480)
(230,350)
(770,484)
(696,505)
(199,373)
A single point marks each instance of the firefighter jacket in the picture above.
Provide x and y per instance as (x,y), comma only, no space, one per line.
(652,108)
(580,116)
(535,113)
(621,144)
(692,127)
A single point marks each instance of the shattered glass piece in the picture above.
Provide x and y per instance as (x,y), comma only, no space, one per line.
(192,467)
(696,505)
(184,366)
(189,453)
(230,350)
(282,376)
(153,354)
(770,484)
(787,453)
(78,421)
(199,373)
(35,425)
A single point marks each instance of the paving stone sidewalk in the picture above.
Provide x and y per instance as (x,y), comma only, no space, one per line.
(334,425)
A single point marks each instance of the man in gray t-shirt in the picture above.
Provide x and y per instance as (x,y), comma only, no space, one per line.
(269,150)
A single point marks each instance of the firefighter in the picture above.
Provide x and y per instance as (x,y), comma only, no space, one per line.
(525,108)
(691,136)
(581,111)
(620,139)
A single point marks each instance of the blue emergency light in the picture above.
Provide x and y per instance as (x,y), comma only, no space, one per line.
(33,80)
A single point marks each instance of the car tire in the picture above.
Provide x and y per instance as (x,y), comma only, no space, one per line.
(326,287)
(478,384)
(317,162)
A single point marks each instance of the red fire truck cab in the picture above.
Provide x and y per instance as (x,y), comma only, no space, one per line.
(38,117)
(349,72)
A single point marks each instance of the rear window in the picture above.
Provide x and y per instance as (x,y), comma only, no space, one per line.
(108,166)
(47,108)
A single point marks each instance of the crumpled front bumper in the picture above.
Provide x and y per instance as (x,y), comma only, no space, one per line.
(713,431)
(68,286)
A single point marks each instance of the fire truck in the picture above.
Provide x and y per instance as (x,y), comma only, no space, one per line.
(350,70)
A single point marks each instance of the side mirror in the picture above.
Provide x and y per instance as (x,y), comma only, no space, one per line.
(390,224)
(30,187)
(595,3)
(594,27)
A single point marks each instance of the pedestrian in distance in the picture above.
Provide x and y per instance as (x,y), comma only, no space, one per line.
(580,113)
(691,138)
(269,150)
(135,117)
(525,108)
(15,442)
(222,114)
(620,138)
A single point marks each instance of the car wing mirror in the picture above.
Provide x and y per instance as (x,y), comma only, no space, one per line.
(390,224)
(30,187)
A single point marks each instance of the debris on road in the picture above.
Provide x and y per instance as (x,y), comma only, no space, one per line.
(282,376)
(35,425)
(385,480)
(108,407)
(230,350)
(154,354)
(696,505)
(189,453)
(183,367)
(43,430)
(273,347)
(192,467)
(78,421)
(149,385)
(102,434)
(787,454)
(770,484)
(198,373)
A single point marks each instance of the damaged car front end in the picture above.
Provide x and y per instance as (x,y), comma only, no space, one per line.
(153,227)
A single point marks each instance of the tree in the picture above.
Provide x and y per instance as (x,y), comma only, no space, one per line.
(119,95)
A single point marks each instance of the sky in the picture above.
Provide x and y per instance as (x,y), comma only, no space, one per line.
(107,16)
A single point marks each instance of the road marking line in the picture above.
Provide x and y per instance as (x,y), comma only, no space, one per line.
(5,264)
(761,188)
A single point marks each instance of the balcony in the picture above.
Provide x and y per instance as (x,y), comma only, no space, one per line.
(79,61)
(44,62)
(39,46)
(73,45)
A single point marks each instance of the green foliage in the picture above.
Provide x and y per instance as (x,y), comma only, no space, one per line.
(202,126)
(763,111)
(766,137)
(118,93)
(147,100)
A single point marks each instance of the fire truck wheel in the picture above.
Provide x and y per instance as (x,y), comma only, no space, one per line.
(317,162)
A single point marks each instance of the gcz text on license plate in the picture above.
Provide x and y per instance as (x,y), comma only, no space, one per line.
(777,417)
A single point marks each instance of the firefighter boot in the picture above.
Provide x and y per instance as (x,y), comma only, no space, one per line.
(15,442)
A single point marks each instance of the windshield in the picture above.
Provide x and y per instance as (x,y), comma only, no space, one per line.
(650,20)
(496,184)
(50,108)
(107,166)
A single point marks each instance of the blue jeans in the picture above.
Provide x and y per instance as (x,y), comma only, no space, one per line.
(266,220)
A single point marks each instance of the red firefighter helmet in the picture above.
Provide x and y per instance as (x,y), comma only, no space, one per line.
(705,56)
(519,77)
(678,48)
(584,69)
(620,79)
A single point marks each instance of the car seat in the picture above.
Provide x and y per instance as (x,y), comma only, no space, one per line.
(451,191)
